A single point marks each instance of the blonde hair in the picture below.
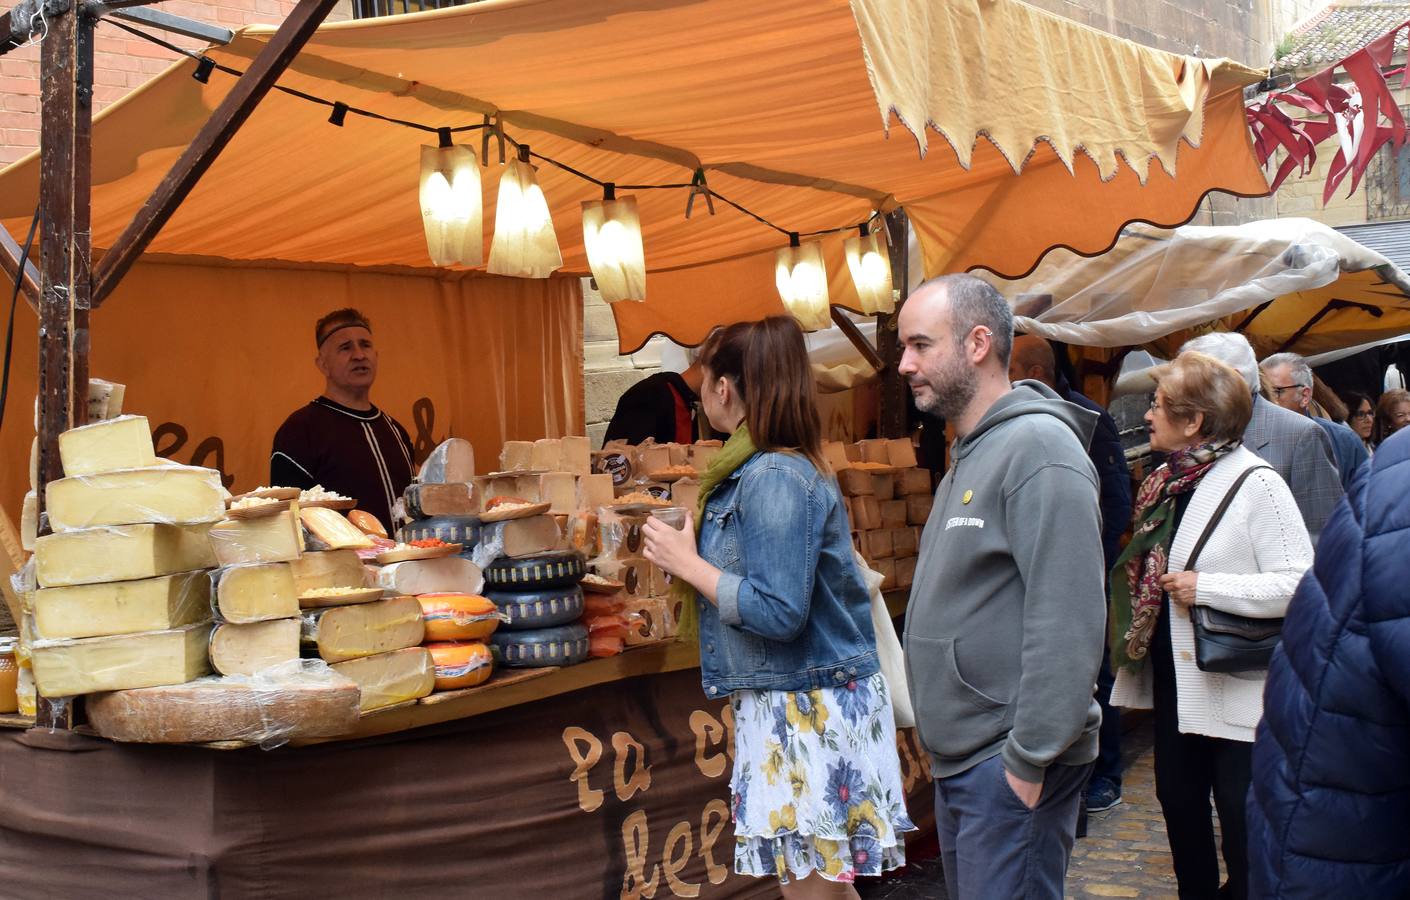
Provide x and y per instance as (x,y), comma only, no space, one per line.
(1198,383)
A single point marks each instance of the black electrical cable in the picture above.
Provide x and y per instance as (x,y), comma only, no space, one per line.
(14,302)
(347,109)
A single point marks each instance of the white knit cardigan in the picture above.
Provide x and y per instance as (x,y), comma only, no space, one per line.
(1251,565)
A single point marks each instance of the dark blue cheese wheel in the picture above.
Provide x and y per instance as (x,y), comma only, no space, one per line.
(451,529)
(530,573)
(565,645)
(538,609)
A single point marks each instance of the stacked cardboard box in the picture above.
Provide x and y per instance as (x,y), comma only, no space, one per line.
(888,500)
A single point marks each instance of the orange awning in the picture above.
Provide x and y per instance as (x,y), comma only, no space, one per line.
(789,107)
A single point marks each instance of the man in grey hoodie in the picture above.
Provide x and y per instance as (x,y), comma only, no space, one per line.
(1007,615)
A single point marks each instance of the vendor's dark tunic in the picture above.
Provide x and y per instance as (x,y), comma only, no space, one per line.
(660,407)
(365,454)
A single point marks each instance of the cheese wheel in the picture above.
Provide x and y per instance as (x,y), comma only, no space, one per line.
(538,609)
(461,664)
(564,645)
(458,617)
(532,573)
(451,529)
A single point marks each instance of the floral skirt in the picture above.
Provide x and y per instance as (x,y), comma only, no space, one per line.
(817,783)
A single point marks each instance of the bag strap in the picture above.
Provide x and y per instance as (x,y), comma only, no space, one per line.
(1219,514)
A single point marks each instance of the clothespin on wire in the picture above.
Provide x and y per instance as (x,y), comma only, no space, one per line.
(699,187)
(486,130)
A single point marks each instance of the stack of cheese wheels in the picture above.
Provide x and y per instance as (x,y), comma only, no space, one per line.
(456,628)
(541,602)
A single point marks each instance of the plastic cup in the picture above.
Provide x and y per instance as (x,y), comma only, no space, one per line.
(673,516)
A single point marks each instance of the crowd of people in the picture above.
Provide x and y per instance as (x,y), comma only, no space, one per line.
(1277,693)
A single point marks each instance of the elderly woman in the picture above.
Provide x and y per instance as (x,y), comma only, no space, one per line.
(1392,414)
(1249,565)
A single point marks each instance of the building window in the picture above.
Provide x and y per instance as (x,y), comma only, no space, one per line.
(1388,183)
(368,9)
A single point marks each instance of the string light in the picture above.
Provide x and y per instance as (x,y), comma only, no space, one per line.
(532,251)
(452,211)
(801,278)
(871,271)
(524,245)
(612,239)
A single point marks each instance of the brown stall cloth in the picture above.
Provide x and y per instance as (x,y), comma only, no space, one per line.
(619,790)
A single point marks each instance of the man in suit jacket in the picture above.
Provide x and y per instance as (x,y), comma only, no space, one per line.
(1288,383)
(1295,446)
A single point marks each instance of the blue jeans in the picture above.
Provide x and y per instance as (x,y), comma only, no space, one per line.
(991,845)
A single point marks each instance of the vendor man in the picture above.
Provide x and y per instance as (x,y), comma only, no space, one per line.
(662,407)
(340,440)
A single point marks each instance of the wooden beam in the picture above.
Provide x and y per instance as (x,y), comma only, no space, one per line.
(895,397)
(65,260)
(13,262)
(854,334)
(208,144)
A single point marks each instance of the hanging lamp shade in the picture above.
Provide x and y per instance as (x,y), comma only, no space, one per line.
(871,271)
(451,207)
(612,238)
(801,277)
(524,245)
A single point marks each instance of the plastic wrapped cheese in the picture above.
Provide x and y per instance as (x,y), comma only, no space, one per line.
(175,495)
(341,633)
(447,574)
(121,553)
(66,668)
(122,607)
(121,443)
(391,678)
(255,593)
(276,538)
(250,649)
(299,699)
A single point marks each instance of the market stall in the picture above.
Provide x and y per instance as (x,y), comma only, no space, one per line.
(708,113)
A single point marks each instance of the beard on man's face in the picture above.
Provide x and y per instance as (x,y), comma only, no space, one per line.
(951,385)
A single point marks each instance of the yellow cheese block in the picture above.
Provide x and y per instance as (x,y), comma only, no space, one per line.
(121,553)
(391,678)
(364,629)
(121,443)
(328,569)
(122,607)
(277,538)
(29,521)
(175,495)
(333,530)
(247,649)
(574,455)
(67,668)
(255,593)
(516,456)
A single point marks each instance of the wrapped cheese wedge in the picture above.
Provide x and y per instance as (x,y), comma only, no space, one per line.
(252,648)
(391,678)
(333,531)
(341,633)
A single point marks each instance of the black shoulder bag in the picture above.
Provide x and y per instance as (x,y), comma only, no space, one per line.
(1225,642)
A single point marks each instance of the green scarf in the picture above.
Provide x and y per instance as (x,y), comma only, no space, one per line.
(1136,594)
(738,450)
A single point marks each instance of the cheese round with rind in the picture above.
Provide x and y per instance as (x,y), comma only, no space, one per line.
(565,645)
(458,617)
(461,664)
(524,610)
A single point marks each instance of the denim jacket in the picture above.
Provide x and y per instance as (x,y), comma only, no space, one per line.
(793,611)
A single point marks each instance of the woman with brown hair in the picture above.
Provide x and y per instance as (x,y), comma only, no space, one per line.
(784,623)
(1217,528)
(1392,414)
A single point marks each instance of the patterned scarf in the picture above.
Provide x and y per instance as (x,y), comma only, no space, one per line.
(738,450)
(1135,579)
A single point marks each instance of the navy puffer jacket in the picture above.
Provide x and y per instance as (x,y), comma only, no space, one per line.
(1329,813)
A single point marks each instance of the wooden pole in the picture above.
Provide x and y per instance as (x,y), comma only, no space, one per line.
(895,397)
(208,144)
(66,64)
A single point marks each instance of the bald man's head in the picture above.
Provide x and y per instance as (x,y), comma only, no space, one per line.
(1033,358)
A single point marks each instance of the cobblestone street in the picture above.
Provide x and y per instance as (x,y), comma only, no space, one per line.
(1124,854)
